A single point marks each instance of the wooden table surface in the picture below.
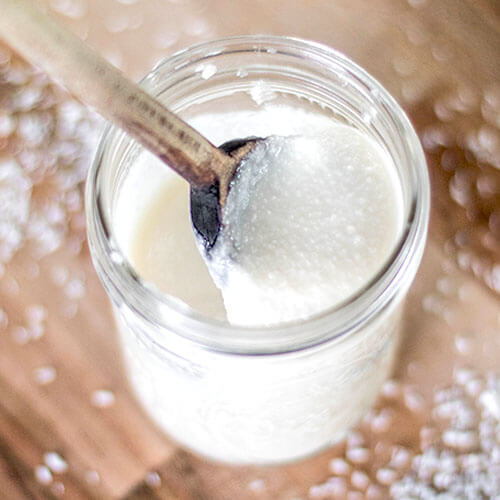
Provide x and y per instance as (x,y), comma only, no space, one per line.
(62,387)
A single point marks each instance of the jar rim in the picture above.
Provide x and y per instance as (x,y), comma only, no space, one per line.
(172,317)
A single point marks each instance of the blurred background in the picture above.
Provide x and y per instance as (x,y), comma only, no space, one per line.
(69,427)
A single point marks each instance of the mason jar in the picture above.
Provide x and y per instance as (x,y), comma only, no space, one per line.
(269,394)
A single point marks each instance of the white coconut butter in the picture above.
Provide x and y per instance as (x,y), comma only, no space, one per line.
(312,215)
(309,227)
(309,220)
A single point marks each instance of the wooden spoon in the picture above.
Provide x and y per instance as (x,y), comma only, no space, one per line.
(89,77)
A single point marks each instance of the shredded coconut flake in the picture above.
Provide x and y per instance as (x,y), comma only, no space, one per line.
(55,462)
(103,398)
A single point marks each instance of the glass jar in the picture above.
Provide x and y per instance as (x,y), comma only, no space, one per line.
(260,395)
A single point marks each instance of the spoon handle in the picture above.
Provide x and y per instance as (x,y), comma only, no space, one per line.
(93,80)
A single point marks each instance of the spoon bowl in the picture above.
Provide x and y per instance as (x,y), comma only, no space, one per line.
(205,201)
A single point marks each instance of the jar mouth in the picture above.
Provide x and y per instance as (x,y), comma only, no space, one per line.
(171,317)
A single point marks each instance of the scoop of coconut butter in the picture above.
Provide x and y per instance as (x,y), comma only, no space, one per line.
(308,221)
